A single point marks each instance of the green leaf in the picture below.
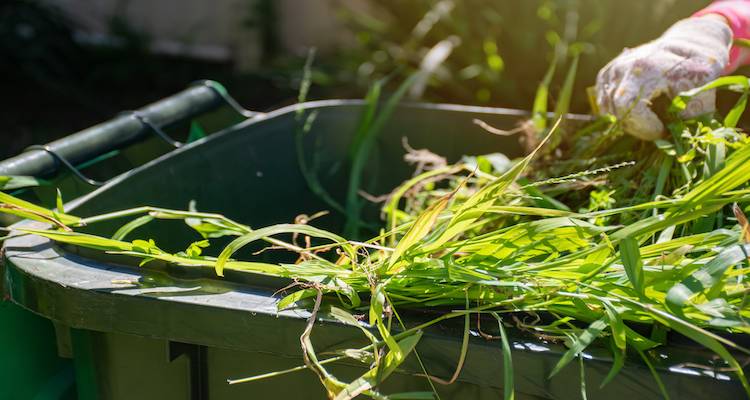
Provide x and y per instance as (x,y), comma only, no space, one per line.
(707,339)
(82,239)
(655,374)
(347,318)
(583,379)
(508,385)
(616,325)
(617,363)
(20,182)
(534,211)
(371,107)
(705,277)
(377,305)
(563,101)
(631,260)
(539,109)
(687,157)
(579,344)
(541,199)
(363,356)
(131,226)
(210,228)
(295,297)
(368,132)
(421,227)
(25,209)
(680,102)
(196,249)
(391,207)
(619,338)
(146,246)
(331,384)
(733,116)
(59,202)
(736,172)
(476,205)
(388,365)
(258,234)
(638,341)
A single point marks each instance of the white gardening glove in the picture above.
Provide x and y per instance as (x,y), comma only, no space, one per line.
(692,52)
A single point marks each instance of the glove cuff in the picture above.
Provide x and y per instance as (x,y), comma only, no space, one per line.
(737,14)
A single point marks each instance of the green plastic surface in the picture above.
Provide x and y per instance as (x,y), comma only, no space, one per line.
(29,365)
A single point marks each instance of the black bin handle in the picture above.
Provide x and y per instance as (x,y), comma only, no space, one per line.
(121,131)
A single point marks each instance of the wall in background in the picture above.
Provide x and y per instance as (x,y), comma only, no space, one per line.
(217,30)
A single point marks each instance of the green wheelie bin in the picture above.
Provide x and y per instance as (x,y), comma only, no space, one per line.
(172,332)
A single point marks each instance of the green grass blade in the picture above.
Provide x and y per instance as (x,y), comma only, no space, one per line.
(20,182)
(735,173)
(655,374)
(362,156)
(566,93)
(82,239)
(531,211)
(583,378)
(306,81)
(126,229)
(347,318)
(391,207)
(388,365)
(258,234)
(680,102)
(331,384)
(617,363)
(464,346)
(290,299)
(733,116)
(509,391)
(22,208)
(631,260)
(473,208)
(705,277)
(618,340)
(579,344)
(371,106)
(616,324)
(377,306)
(59,203)
(706,338)
(539,109)
(421,227)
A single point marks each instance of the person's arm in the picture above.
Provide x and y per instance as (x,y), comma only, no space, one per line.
(736,13)
(692,52)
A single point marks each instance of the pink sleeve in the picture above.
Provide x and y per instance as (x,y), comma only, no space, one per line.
(737,13)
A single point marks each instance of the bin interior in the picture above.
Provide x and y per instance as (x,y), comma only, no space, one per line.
(251,172)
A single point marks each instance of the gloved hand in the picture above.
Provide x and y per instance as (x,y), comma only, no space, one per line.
(692,52)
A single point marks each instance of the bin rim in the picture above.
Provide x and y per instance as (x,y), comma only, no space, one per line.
(86,294)
(318,104)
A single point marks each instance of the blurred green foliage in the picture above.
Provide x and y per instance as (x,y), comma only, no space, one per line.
(505,45)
